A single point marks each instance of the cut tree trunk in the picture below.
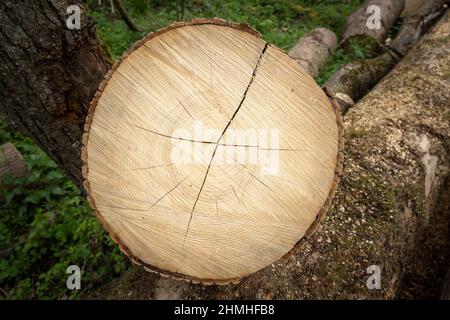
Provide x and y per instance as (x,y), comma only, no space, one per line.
(361,25)
(314,49)
(12,163)
(208,159)
(353,80)
(49,74)
(396,159)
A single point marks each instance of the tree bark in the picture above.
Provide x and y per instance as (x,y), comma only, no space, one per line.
(415,24)
(353,80)
(314,49)
(49,75)
(396,160)
(358,30)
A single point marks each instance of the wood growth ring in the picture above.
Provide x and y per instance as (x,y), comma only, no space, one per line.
(209,153)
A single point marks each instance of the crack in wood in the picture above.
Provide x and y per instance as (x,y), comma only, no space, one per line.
(223,133)
(176,186)
(152,167)
(239,200)
(182,105)
(259,180)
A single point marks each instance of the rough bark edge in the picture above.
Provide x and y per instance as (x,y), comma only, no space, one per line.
(84,157)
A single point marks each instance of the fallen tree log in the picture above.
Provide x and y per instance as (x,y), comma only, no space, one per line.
(396,159)
(246,151)
(415,25)
(352,81)
(12,163)
(314,49)
(369,25)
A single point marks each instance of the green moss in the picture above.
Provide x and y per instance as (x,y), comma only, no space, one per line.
(354,133)
(380,192)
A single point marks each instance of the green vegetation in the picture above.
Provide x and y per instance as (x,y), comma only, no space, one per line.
(45,222)
(280,22)
(45,226)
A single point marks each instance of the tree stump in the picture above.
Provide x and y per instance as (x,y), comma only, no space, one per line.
(209,153)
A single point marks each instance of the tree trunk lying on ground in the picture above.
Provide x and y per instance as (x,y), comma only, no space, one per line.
(362,25)
(415,25)
(49,75)
(353,80)
(314,49)
(11,163)
(396,161)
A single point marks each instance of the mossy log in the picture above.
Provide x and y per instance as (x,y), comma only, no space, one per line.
(370,23)
(396,160)
(415,24)
(314,49)
(353,80)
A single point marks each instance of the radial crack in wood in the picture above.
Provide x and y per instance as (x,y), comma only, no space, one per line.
(208,153)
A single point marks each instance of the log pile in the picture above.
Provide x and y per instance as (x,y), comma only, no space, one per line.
(352,81)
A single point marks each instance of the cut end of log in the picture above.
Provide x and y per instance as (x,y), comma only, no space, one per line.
(210,154)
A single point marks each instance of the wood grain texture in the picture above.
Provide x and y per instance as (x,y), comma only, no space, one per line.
(210,220)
